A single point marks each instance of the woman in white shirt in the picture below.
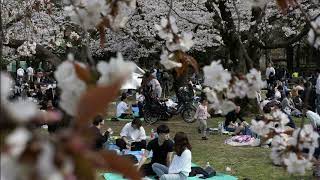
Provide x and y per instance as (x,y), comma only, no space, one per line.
(180,166)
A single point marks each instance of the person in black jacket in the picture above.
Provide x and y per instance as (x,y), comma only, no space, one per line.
(162,148)
(230,123)
(100,138)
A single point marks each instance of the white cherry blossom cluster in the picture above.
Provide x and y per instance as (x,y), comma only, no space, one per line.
(115,69)
(74,35)
(175,41)
(295,152)
(314,33)
(119,20)
(86,13)
(27,49)
(89,13)
(307,140)
(73,87)
(22,110)
(223,84)
(275,122)
(17,141)
(292,149)
(258,3)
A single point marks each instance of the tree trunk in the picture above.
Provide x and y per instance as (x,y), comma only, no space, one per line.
(289,52)
(298,55)
(1,33)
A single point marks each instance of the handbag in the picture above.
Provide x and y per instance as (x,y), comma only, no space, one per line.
(206,173)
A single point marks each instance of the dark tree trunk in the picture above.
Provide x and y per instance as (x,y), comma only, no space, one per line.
(1,34)
(298,55)
(230,40)
(289,52)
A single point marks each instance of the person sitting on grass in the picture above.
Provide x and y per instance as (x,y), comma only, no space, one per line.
(133,136)
(231,125)
(201,115)
(180,166)
(288,105)
(123,110)
(162,149)
(100,138)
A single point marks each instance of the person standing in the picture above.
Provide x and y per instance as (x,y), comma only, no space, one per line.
(270,73)
(156,87)
(39,76)
(270,70)
(20,74)
(201,115)
(30,73)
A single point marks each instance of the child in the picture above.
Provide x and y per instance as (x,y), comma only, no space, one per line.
(202,115)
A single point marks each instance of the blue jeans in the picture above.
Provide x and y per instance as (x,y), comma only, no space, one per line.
(163,172)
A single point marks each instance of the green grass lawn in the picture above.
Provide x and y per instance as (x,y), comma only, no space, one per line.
(245,162)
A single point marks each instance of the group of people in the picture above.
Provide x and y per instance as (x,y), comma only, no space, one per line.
(150,89)
(133,136)
(36,87)
(164,164)
(231,123)
(304,92)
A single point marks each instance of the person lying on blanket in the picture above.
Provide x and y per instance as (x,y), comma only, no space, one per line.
(133,136)
(162,150)
(180,167)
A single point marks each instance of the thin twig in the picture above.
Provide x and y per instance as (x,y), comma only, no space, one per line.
(170,8)
(190,21)
(197,6)
(306,16)
(237,12)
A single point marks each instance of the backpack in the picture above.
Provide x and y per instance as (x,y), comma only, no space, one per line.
(207,172)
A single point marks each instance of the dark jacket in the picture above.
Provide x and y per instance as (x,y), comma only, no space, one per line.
(99,138)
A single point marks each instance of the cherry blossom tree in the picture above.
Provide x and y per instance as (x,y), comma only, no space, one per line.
(170,29)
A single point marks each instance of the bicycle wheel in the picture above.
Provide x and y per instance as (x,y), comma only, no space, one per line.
(188,115)
(149,118)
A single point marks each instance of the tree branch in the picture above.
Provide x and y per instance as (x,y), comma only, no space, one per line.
(16,19)
(190,21)
(1,32)
(285,44)
(41,51)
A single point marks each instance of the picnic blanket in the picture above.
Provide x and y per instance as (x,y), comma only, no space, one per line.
(120,119)
(218,176)
(241,140)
